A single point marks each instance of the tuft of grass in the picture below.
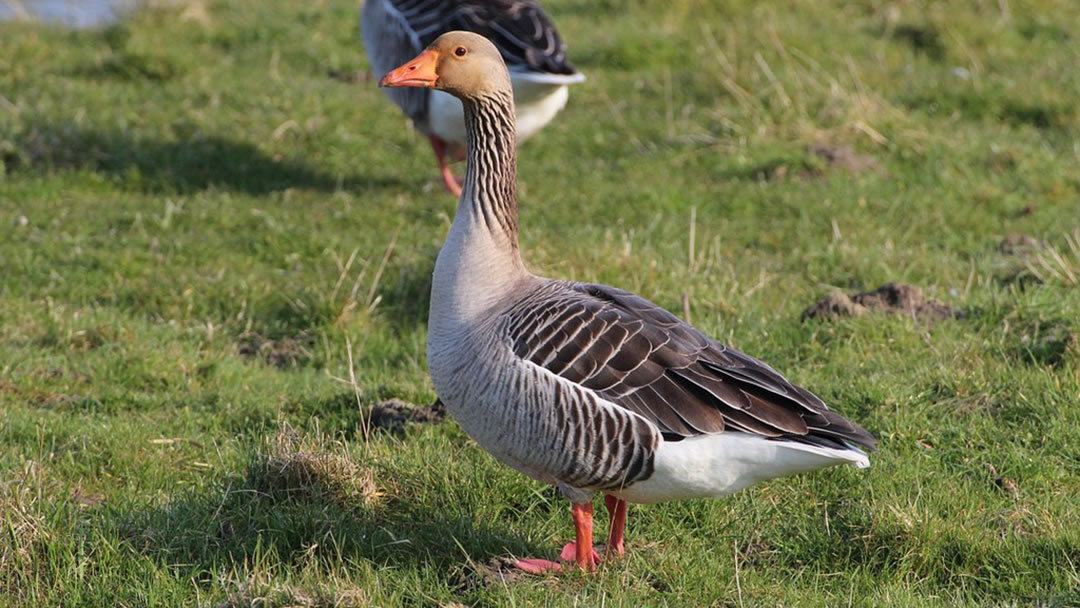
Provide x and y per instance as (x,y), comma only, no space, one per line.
(315,469)
(265,591)
(26,533)
(1058,264)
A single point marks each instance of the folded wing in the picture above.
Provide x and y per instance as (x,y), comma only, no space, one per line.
(520,29)
(641,357)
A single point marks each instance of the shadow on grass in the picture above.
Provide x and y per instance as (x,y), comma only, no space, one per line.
(1044,114)
(286,334)
(777,169)
(182,166)
(924,39)
(300,504)
(1036,339)
(1047,342)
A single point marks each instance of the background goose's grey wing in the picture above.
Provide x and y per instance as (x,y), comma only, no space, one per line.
(520,29)
(643,358)
(389,42)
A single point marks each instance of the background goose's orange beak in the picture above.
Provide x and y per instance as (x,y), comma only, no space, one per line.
(420,72)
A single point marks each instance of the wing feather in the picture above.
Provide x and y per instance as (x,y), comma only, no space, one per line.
(523,33)
(644,359)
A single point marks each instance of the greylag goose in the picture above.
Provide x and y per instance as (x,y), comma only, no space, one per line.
(396,30)
(583,386)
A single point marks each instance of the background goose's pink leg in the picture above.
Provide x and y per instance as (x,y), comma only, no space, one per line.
(616,508)
(451,182)
(580,551)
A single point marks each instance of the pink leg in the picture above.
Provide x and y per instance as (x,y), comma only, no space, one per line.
(616,508)
(585,556)
(580,551)
(451,183)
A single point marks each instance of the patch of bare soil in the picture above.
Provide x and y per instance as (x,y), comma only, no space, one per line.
(86,498)
(392,414)
(1005,484)
(845,158)
(289,351)
(834,305)
(502,570)
(1027,210)
(497,571)
(1019,245)
(37,397)
(819,159)
(889,298)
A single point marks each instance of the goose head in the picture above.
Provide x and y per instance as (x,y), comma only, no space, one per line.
(466,65)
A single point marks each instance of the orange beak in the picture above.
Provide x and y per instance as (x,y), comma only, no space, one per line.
(420,72)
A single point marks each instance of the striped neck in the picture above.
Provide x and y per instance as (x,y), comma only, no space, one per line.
(489,194)
(479,265)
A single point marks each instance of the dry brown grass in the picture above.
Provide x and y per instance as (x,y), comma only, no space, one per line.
(261,589)
(25,533)
(1058,264)
(307,465)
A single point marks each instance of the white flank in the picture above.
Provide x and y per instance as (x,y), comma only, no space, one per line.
(535,104)
(718,465)
(446,118)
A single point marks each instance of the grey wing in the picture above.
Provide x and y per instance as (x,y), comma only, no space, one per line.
(389,42)
(520,29)
(641,357)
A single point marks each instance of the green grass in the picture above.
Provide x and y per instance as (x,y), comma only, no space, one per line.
(197,225)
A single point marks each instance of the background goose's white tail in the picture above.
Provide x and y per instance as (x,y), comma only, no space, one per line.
(546,78)
(721,464)
(537,99)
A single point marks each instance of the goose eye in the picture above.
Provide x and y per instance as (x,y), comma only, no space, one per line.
(460,51)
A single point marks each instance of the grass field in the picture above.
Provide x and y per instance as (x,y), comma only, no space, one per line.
(214,259)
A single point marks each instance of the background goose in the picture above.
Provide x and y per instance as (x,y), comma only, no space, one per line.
(583,386)
(396,30)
